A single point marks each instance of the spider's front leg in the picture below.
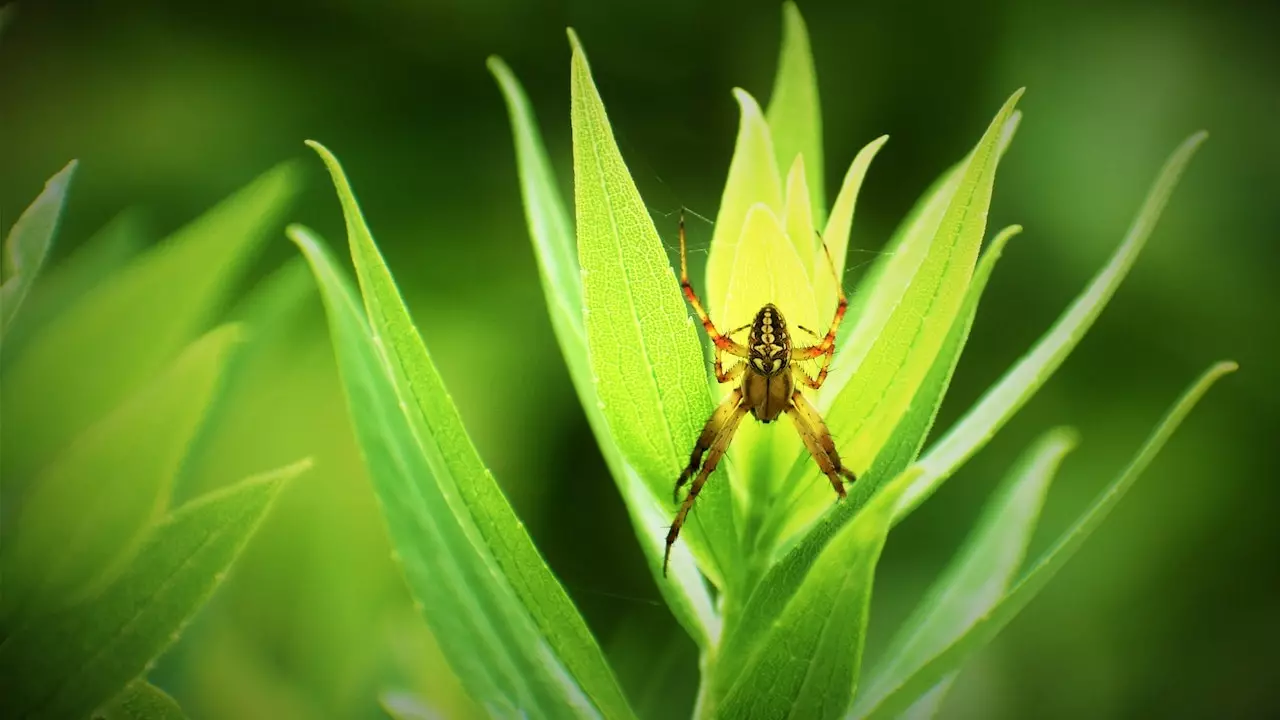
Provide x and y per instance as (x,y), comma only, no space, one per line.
(716,436)
(723,343)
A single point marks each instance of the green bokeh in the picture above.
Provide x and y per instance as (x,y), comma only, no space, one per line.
(1169,610)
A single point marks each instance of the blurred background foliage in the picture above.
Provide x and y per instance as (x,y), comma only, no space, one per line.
(1169,611)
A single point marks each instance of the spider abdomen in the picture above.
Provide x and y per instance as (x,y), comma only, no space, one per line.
(769,345)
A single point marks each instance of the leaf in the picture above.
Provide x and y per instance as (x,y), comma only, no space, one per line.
(644,350)
(555,248)
(979,575)
(489,638)
(797,217)
(456,463)
(807,664)
(141,701)
(753,178)
(28,244)
(76,659)
(1020,382)
(896,363)
(88,512)
(102,256)
(947,660)
(794,114)
(771,594)
(836,235)
(894,266)
(130,327)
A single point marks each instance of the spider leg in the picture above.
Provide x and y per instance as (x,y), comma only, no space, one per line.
(828,344)
(818,441)
(815,335)
(718,448)
(814,382)
(709,433)
(723,343)
(733,372)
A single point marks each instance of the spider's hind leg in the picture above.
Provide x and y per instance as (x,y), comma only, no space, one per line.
(709,433)
(722,428)
(818,441)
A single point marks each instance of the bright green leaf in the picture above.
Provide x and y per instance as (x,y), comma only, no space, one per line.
(456,462)
(948,660)
(753,178)
(127,329)
(88,512)
(1021,381)
(896,363)
(979,575)
(807,664)
(555,248)
(794,114)
(141,701)
(28,244)
(486,633)
(838,229)
(77,658)
(645,353)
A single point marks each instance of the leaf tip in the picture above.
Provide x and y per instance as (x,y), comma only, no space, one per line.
(574,43)
(497,67)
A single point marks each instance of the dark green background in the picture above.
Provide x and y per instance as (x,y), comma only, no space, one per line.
(1169,611)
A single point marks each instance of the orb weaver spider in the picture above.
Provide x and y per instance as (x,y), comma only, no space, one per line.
(770,377)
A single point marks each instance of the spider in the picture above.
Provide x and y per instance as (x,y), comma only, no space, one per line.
(770,378)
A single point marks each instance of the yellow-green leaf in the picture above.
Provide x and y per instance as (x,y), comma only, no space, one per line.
(838,229)
(794,114)
(753,178)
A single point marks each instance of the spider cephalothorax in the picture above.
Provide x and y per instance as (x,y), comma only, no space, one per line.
(770,373)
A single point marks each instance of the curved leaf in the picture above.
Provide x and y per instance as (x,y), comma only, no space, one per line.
(141,701)
(836,234)
(947,660)
(980,573)
(648,366)
(489,638)
(554,245)
(28,244)
(74,660)
(130,327)
(89,510)
(436,423)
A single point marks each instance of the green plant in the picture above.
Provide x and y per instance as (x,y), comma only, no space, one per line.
(107,378)
(772,579)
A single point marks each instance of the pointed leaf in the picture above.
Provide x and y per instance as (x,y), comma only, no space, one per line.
(1021,381)
(555,247)
(28,244)
(648,364)
(87,513)
(807,664)
(130,327)
(946,661)
(141,701)
(890,373)
(838,229)
(76,659)
(103,255)
(797,215)
(486,633)
(795,115)
(979,575)
(439,427)
(894,266)
(753,178)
